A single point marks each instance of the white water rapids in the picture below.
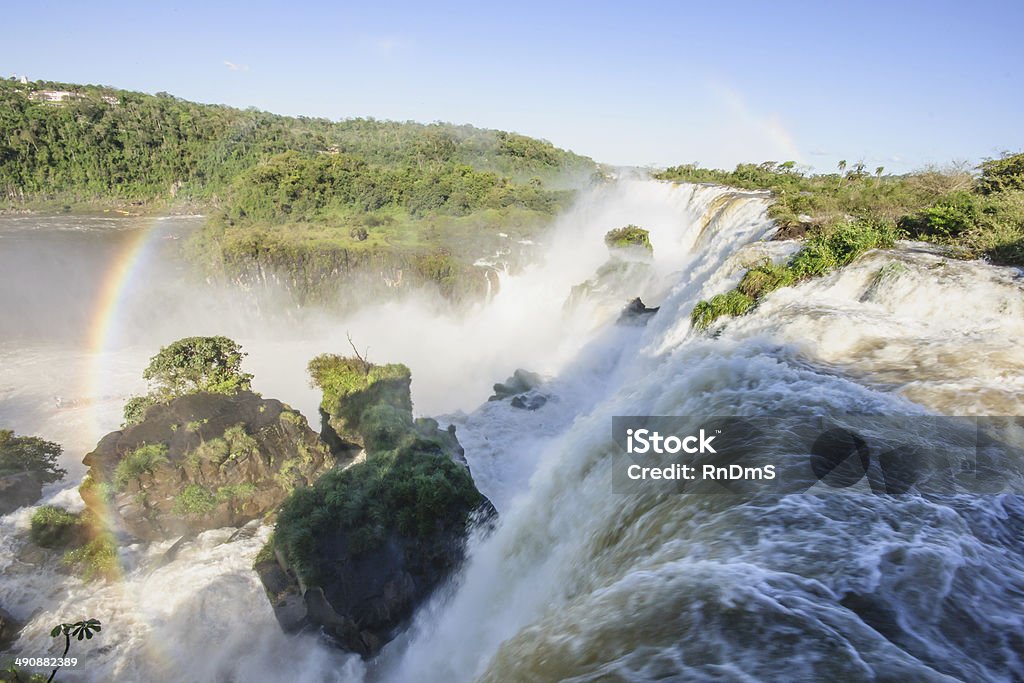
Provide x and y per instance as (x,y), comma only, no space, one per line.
(577,582)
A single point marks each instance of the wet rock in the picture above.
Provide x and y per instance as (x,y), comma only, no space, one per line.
(10,628)
(19,489)
(520,382)
(636,313)
(529,401)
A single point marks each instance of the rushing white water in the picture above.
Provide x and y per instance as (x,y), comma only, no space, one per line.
(579,583)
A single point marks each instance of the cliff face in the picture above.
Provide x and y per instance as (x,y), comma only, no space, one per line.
(203,461)
(328,273)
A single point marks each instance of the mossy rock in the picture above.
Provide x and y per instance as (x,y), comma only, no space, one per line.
(628,237)
(366,545)
(351,386)
(204,461)
(53,527)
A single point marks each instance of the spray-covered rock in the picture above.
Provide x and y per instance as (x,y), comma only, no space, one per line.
(627,271)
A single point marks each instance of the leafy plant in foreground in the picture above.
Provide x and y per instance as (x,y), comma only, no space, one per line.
(81,630)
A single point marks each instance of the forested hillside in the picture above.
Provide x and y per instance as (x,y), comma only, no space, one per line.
(90,142)
(311,199)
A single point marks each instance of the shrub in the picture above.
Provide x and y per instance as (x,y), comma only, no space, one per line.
(240,444)
(351,385)
(194,499)
(765,278)
(189,365)
(102,491)
(827,250)
(96,559)
(821,253)
(135,409)
(54,527)
(951,217)
(145,459)
(233,492)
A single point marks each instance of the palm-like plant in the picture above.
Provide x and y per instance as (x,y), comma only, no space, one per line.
(82,630)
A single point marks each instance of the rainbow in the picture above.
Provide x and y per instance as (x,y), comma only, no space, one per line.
(103,330)
(102,337)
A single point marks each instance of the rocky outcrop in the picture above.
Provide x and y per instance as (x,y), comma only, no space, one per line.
(354,555)
(19,489)
(520,382)
(521,387)
(636,313)
(203,461)
(627,271)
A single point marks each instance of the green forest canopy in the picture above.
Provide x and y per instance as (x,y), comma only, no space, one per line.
(99,142)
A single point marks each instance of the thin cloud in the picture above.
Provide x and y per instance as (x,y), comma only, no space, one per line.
(384,45)
(235,67)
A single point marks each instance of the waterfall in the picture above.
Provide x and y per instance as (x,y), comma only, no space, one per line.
(581,583)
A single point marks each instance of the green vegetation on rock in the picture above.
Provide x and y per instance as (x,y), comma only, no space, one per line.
(97,559)
(235,492)
(628,236)
(194,364)
(350,386)
(411,490)
(821,253)
(732,302)
(145,459)
(384,426)
(54,527)
(842,215)
(981,216)
(266,553)
(194,499)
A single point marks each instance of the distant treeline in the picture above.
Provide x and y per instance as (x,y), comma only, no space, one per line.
(87,143)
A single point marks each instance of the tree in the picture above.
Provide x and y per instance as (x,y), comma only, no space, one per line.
(194,364)
(30,454)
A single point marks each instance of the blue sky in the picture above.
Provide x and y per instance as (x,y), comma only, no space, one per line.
(897,84)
